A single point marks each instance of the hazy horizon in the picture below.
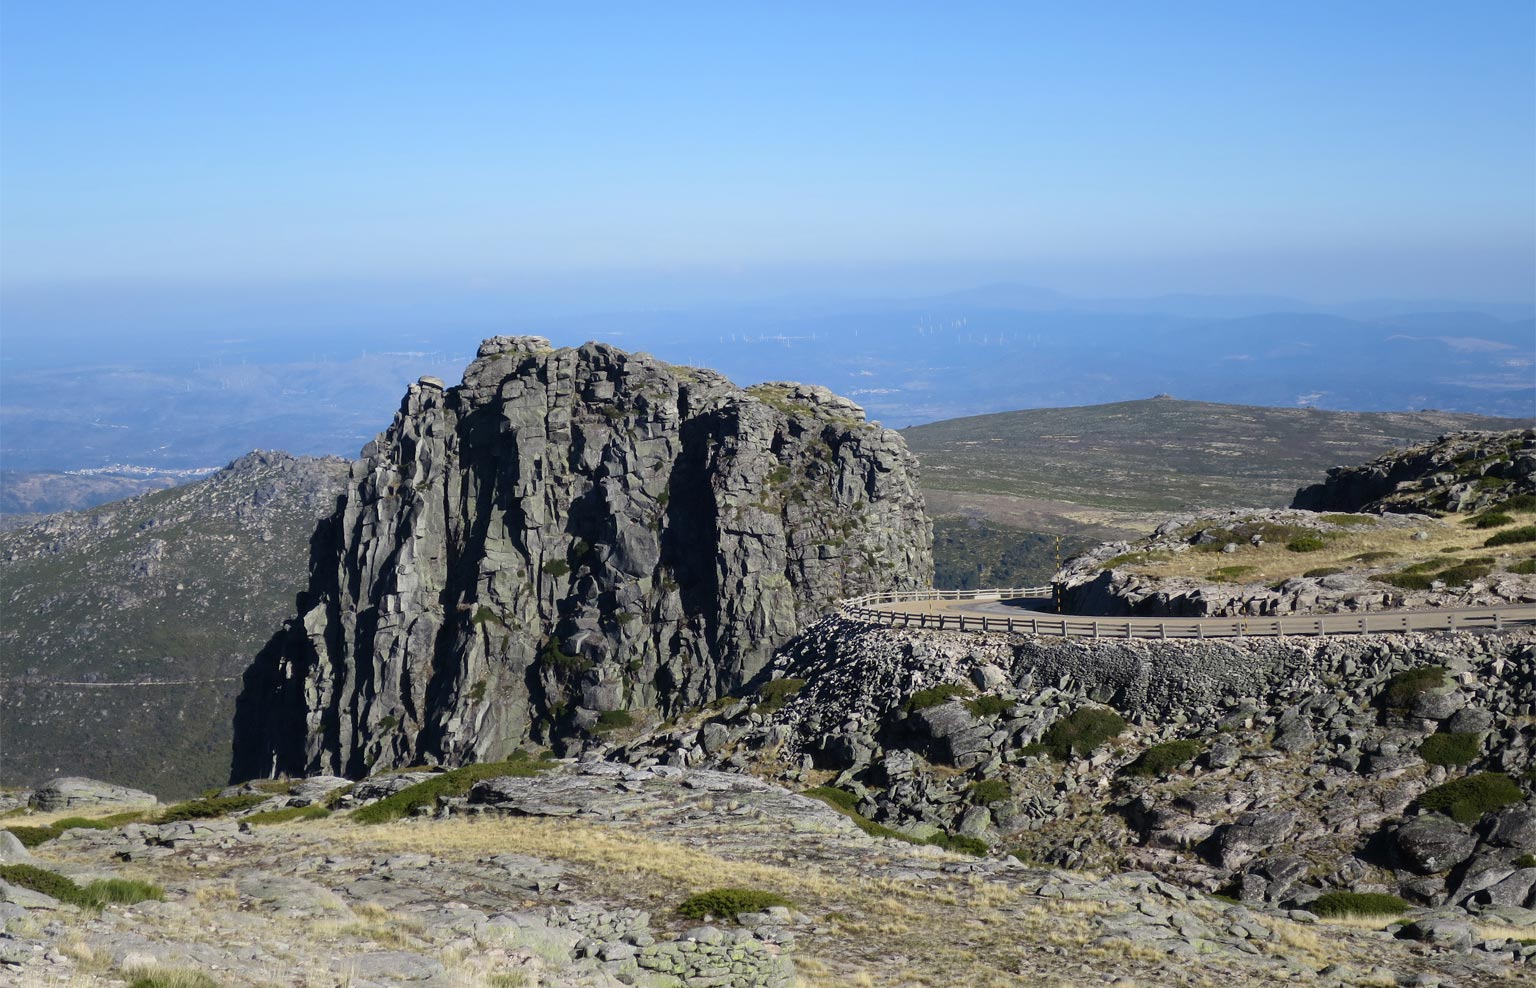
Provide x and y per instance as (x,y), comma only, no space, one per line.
(226,227)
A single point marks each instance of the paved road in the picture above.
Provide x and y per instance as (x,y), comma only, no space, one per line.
(1027,611)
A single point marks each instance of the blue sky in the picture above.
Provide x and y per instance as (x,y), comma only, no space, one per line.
(1326,150)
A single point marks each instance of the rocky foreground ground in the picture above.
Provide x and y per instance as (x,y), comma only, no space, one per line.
(574,877)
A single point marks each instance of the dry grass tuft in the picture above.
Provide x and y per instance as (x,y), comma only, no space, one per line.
(1494,931)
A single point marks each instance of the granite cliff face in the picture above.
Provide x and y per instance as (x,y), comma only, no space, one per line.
(568,533)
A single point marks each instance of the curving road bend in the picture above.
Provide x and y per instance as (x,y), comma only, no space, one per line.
(1026,610)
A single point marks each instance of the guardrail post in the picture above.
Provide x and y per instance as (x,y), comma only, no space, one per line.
(1162,628)
(1450,620)
(1362,625)
(1498,621)
(1239,625)
(1095,627)
(1199,629)
(1034,627)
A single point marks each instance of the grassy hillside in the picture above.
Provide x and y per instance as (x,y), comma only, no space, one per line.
(1163,454)
(1001,486)
(126,627)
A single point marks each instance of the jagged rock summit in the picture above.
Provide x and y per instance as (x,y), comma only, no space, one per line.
(566,534)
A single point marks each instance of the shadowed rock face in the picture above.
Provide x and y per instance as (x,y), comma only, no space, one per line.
(570,532)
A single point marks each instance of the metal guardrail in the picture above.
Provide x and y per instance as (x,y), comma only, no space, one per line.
(1076,626)
(911,596)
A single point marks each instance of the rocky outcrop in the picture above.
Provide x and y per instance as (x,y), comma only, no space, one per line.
(1106,580)
(568,533)
(77,794)
(1461,472)
(1290,749)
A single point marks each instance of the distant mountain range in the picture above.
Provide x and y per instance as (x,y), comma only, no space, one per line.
(177,396)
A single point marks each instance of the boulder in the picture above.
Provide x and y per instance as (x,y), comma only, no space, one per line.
(72,793)
(954,735)
(1253,834)
(1432,844)
(1513,826)
(11,849)
(1519,889)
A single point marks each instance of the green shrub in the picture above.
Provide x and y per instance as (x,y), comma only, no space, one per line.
(49,883)
(935,696)
(1513,536)
(989,791)
(1525,567)
(1493,519)
(557,567)
(1379,555)
(169,977)
(1465,573)
(1082,731)
(730,903)
(989,705)
(31,837)
(1338,904)
(1160,759)
(1526,861)
(1232,573)
(288,814)
(776,692)
(1323,571)
(1405,581)
(203,809)
(1520,502)
(1466,800)
(99,893)
(1346,520)
(555,657)
(98,823)
(1452,749)
(1402,689)
(615,720)
(838,799)
(1427,566)
(122,891)
(845,802)
(959,844)
(1307,543)
(453,783)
